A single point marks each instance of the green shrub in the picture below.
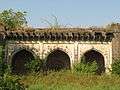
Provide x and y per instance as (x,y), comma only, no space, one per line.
(2,64)
(0,53)
(9,82)
(34,65)
(3,68)
(116,67)
(86,68)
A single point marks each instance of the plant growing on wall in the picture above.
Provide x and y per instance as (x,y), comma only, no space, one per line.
(53,24)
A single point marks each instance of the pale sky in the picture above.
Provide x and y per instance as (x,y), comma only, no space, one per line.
(68,12)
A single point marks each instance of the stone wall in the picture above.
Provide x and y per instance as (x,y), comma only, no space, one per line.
(116,46)
(75,50)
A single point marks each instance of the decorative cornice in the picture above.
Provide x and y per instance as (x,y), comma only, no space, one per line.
(60,34)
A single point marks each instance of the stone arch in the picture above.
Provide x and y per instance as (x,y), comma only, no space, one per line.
(57,60)
(19,59)
(67,51)
(33,50)
(94,55)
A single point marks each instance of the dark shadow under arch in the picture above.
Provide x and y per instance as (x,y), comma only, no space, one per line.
(57,60)
(93,55)
(19,60)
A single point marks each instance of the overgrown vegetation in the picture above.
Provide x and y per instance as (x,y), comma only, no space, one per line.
(34,66)
(67,80)
(12,20)
(1,62)
(82,78)
(8,81)
(116,67)
(88,68)
(53,25)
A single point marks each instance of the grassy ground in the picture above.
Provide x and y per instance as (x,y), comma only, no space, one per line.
(71,81)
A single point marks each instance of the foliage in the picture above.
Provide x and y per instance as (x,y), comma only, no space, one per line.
(116,67)
(86,67)
(3,66)
(73,87)
(13,19)
(71,81)
(34,65)
(9,82)
(1,53)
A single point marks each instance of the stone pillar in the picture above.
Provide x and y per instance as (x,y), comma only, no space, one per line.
(75,52)
(108,59)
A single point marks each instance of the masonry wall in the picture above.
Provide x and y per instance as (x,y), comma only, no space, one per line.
(116,46)
(75,50)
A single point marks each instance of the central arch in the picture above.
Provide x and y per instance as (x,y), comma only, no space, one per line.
(93,55)
(19,60)
(57,60)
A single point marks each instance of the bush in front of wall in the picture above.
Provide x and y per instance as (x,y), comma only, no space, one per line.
(10,82)
(34,65)
(116,67)
(85,68)
(3,66)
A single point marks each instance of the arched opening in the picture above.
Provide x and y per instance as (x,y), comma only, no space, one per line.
(57,60)
(19,60)
(93,55)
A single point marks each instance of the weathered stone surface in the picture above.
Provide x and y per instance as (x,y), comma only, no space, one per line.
(75,50)
(116,46)
(74,42)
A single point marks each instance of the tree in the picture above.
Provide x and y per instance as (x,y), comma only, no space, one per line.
(12,20)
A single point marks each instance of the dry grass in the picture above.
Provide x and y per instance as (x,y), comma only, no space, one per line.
(71,81)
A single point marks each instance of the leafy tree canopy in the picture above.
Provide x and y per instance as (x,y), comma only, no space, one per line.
(12,20)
